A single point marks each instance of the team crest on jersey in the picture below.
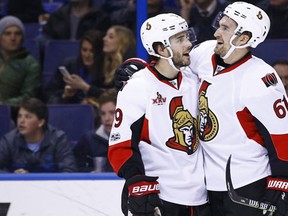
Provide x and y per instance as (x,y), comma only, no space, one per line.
(270,80)
(159,100)
(184,127)
(207,122)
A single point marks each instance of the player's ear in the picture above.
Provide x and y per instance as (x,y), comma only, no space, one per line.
(245,37)
(160,49)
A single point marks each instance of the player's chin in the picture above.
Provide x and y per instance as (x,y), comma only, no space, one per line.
(186,58)
(186,61)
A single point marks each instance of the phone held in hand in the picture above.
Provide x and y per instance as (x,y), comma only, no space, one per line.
(64,71)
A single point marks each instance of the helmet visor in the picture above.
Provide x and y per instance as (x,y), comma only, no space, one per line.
(217,19)
(191,35)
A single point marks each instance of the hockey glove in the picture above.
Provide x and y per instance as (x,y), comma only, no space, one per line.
(126,70)
(277,194)
(142,196)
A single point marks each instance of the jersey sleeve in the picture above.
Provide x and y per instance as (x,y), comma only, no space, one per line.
(124,154)
(268,104)
(198,55)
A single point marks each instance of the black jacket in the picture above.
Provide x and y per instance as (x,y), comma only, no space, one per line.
(58,25)
(54,155)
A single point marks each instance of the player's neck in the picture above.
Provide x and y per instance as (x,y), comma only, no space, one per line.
(236,55)
(165,69)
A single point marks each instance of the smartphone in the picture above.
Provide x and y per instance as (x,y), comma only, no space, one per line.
(64,71)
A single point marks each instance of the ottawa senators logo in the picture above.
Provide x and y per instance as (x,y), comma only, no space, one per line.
(207,122)
(184,127)
(270,79)
(259,15)
(148,26)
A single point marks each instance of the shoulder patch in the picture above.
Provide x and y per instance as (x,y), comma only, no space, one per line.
(270,80)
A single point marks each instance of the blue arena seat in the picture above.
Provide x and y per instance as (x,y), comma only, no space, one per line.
(46,77)
(56,51)
(5,119)
(31,30)
(74,119)
(50,7)
(271,50)
(33,46)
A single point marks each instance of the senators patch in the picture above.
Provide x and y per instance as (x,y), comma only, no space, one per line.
(208,125)
(270,80)
(184,127)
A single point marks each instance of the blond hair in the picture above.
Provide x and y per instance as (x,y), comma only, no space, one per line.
(126,41)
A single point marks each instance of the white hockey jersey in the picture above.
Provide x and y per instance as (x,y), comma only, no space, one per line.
(243,111)
(155,133)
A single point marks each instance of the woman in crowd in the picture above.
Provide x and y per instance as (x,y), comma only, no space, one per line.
(86,77)
(119,43)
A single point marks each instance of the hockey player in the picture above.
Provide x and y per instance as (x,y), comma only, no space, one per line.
(243,112)
(154,143)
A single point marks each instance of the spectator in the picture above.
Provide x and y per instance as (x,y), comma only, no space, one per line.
(86,70)
(72,20)
(35,146)
(278,14)
(20,76)
(126,11)
(200,15)
(119,43)
(92,148)
(27,11)
(281,68)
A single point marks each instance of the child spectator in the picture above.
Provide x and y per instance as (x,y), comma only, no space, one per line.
(91,150)
(34,146)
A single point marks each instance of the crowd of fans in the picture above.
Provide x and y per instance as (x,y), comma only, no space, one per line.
(107,33)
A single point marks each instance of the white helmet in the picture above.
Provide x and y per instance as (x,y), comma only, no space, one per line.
(249,18)
(160,28)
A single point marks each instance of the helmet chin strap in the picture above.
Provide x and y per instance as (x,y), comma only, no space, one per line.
(170,58)
(233,47)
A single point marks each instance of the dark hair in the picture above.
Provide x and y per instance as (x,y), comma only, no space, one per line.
(37,107)
(281,62)
(108,96)
(95,38)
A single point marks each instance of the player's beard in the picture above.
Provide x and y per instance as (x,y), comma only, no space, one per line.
(181,60)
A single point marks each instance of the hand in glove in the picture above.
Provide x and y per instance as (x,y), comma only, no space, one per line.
(126,70)
(277,195)
(142,196)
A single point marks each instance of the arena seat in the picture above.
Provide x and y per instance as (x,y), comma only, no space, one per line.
(74,119)
(33,46)
(271,50)
(56,51)
(32,30)
(5,119)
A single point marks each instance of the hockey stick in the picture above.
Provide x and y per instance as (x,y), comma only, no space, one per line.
(243,200)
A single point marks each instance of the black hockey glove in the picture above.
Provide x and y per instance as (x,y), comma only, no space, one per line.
(126,70)
(140,196)
(277,195)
